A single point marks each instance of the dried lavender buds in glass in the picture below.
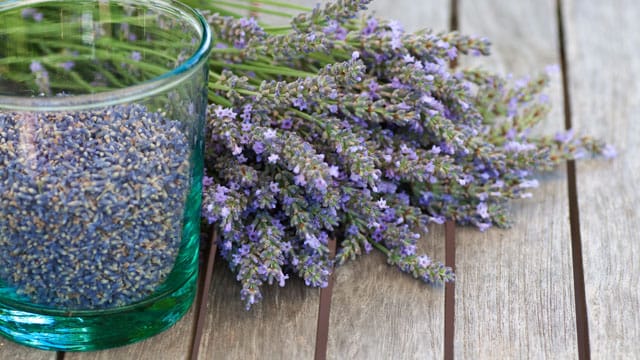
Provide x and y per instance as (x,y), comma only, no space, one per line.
(353,129)
(84,198)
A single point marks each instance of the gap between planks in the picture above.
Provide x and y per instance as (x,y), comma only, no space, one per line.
(324,311)
(582,322)
(201,303)
(449,290)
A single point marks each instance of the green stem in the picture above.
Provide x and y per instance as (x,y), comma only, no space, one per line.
(254,9)
(109,76)
(280,4)
(126,46)
(217,99)
(52,58)
(380,247)
(228,50)
(216,86)
(309,117)
(276,29)
(270,69)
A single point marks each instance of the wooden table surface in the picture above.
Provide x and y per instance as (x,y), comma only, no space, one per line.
(564,282)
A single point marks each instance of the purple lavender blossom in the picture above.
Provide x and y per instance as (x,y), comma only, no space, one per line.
(244,250)
(424,261)
(274,187)
(270,134)
(409,250)
(285,246)
(300,103)
(41,77)
(432,102)
(220,195)
(438,219)
(482,210)
(207,181)
(334,28)
(312,241)
(334,171)
(221,112)
(512,108)
(372,25)
(517,147)
(273,158)
(564,136)
(67,65)
(136,56)
(28,12)
(452,53)
(36,67)
(396,32)
(396,84)
(382,204)
(320,184)
(258,147)
(367,247)
(408,58)
(286,123)
(373,88)
(483,226)
(300,180)
(246,112)
(425,198)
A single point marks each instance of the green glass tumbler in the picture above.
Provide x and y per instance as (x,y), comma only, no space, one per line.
(102,112)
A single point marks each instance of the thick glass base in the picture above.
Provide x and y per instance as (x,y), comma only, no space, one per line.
(100,329)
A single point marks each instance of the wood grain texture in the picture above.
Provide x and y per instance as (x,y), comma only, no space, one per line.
(514,288)
(172,344)
(604,77)
(377,312)
(414,15)
(12,351)
(281,326)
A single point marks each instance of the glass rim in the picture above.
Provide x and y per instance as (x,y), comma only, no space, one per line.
(147,88)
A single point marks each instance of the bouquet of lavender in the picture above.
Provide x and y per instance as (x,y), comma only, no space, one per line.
(348,128)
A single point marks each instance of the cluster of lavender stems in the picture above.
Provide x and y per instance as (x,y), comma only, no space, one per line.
(346,127)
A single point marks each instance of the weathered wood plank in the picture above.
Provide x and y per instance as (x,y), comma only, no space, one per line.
(377,312)
(13,351)
(414,15)
(514,289)
(172,344)
(281,326)
(604,69)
